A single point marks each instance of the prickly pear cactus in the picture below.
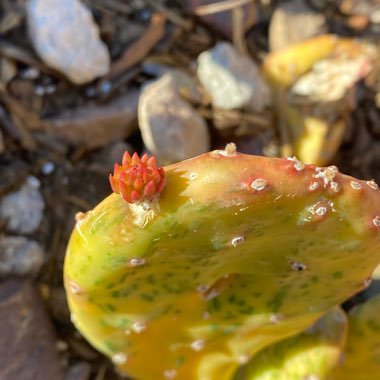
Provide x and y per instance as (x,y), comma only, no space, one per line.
(309,355)
(362,352)
(235,252)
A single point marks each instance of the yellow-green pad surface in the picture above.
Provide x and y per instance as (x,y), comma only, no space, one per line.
(309,355)
(243,251)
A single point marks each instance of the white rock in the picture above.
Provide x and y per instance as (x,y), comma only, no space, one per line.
(231,79)
(66,37)
(20,256)
(22,210)
(171,129)
(293,22)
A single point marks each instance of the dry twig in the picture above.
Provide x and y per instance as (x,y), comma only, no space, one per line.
(137,51)
(170,15)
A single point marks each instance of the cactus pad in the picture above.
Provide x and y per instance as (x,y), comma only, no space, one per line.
(362,353)
(309,355)
(238,252)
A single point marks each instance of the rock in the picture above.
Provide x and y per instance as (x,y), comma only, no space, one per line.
(95,125)
(20,256)
(27,341)
(293,22)
(8,70)
(361,15)
(231,79)
(170,127)
(22,210)
(66,37)
(375,15)
(368,8)
(30,73)
(187,85)
(79,371)
(222,20)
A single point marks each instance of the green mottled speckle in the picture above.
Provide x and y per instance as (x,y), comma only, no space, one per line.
(147,297)
(110,346)
(337,274)
(276,302)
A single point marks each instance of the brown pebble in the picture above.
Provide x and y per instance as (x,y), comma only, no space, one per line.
(358,22)
(27,341)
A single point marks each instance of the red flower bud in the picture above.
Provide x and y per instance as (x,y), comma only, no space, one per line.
(137,179)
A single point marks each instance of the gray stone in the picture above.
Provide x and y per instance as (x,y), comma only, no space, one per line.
(66,37)
(187,85)
(222,19)
(20,256)
(232,79)
(171,128)
(8,70)
(23,210)
(79,371)
(96,125)
(293,22)
(27,342)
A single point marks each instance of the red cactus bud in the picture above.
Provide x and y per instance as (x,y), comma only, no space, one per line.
(137,179)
